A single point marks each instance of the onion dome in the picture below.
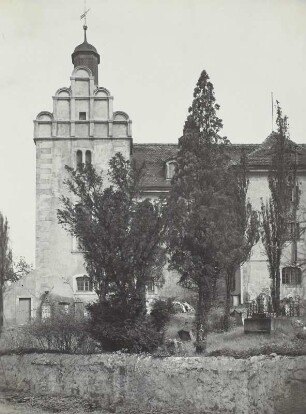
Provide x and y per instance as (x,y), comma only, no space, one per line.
(86,54)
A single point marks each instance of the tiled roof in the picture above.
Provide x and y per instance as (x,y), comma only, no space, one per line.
(261,157)
(155,156)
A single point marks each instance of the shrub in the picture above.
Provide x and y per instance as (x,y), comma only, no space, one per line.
(63,332)
(161,313)
(118,327)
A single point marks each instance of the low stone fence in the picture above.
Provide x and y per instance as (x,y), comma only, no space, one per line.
(265,384)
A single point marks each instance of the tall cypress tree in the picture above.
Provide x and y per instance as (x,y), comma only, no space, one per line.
(196,214)
(241,232)
(279,210)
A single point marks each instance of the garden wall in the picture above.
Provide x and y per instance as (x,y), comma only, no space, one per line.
(190,385)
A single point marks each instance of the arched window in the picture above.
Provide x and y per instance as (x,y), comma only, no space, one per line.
(88,157)
(291,275)
(170,169)
(79,157)
(84,284)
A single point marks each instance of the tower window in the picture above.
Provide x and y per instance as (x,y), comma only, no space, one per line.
(79,157)
(88,157)
(82,116)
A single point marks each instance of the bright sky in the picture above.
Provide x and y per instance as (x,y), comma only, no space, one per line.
(152,53)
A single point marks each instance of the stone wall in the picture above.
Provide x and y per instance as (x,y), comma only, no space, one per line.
(190,385)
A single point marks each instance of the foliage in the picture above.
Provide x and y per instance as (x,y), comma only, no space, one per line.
(280,208)
(117,327)
(118,232)
(9,271)
(62,332)
(207,206)
(241,232)
(161,313)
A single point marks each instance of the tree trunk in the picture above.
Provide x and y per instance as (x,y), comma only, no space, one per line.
(141,293)
(227,307)
(201,319)
(1,308)
(277,292)
(273,293)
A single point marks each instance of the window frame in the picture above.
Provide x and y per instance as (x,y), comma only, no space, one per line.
(169,173)
(86,282)
(291,276)
(82,116)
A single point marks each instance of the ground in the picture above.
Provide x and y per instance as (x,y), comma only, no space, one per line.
(21,403)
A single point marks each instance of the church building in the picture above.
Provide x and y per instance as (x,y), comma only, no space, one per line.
(85,127)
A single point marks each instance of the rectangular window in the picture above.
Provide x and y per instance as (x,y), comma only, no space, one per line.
(84,284)
(291,276)
(82,116)
(45,311)
(63,307)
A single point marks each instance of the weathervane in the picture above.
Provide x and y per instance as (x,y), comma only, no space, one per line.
(84,15)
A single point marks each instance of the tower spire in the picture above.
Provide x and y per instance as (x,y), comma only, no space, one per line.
(86,54)
(84,16)
(85,38)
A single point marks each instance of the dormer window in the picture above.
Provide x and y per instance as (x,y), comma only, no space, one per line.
(82,116)
(170,169)
(84,284)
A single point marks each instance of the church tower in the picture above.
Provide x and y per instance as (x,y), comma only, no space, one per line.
(81,128)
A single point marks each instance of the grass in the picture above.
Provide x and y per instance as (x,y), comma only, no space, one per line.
(237,344)
(287,340)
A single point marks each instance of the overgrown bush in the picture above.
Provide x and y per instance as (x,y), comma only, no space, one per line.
(216,320)
(117,326)
(16,339)
(62,332)
(161,313)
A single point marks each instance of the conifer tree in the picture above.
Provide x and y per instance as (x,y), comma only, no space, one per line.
(196,202)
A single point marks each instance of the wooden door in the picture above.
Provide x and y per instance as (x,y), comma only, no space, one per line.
(24,311)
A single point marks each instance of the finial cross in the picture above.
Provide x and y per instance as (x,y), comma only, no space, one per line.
(84,15)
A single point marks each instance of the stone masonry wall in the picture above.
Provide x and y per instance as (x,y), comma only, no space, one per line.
(190,385)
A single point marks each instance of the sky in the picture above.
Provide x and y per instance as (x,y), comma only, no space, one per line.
(152,53)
